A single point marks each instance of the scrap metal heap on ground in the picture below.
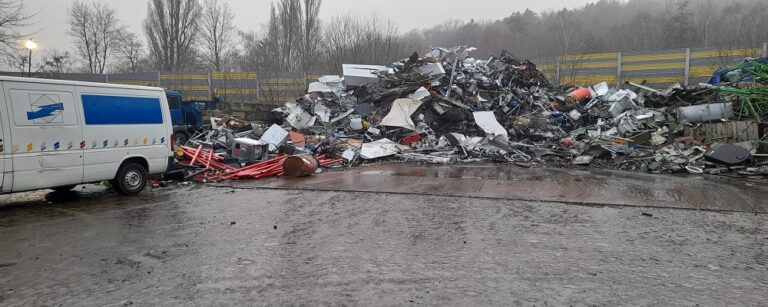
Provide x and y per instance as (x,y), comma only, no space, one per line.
(447,107)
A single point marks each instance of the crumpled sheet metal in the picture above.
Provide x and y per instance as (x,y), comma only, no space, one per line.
(381,148)
(275,136)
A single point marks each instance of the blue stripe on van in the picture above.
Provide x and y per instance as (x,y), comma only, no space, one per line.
(119,110)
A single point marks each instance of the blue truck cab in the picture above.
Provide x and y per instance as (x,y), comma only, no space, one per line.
(186,117)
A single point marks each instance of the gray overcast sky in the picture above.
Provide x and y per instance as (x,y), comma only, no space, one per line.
(51,29)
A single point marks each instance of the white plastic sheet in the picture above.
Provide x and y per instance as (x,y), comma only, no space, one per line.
(487,121)
(400,114)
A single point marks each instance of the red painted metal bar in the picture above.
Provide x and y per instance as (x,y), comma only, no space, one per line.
(210,157)
(194,159)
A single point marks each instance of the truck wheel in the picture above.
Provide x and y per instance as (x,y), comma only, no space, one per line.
(181,138)
(130,179)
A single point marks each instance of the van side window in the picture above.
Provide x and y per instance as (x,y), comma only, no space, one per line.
(121,110)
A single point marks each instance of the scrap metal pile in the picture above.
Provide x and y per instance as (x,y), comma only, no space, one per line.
(448,107)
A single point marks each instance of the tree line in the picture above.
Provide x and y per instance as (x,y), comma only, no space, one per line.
(179,35)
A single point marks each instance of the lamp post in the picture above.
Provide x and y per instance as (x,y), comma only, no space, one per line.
(30,45)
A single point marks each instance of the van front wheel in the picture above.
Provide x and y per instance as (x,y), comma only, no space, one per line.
(130,179)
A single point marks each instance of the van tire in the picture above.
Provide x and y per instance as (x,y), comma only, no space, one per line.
(131,179)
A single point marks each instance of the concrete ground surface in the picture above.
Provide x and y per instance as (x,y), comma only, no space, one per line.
(208,245)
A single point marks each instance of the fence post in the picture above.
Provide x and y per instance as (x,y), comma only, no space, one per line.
(159,84)
(258,88)
(210,85)
(557,70)
(618,69)
(106,78)
(765,49)
(687,66)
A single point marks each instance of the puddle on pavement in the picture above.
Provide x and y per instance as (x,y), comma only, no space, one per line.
(475,172)
(555,184)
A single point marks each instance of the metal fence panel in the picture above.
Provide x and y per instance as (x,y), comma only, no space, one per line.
(278,87)
(657,68)
(141,78)
(83,77)
(240,87)
(192,85)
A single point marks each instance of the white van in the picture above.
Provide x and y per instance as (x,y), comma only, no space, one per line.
(57,134)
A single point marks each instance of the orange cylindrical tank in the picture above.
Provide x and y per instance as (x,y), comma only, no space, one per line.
(579,95)
(300,165)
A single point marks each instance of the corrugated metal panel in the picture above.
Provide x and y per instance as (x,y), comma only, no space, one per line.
(594,56)
(82,77)
(142,78)
(192,85)
(237,86)
(658,68)
(13,74)
(277,88)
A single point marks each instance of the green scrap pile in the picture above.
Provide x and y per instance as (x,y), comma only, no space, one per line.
(757,69)
(753,102)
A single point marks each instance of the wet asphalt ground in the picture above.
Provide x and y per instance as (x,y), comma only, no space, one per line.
(267,244)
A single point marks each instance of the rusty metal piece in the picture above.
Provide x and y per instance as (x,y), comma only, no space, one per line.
(300,166)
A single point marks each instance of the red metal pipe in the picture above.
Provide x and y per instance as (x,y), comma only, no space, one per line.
(196,154)
(210,157)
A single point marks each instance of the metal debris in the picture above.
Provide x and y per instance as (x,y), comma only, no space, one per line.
(449,107)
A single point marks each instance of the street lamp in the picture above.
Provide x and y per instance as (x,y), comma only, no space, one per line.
(31,46)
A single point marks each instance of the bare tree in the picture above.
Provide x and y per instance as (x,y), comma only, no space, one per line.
(172,28)
(679,30)
(81,22)
(704,18)
(56,62)
(12,18)
(291,40)
(17,60)
(249,54)
(744,24)
(108,29)
(217,32)
(311,32)
(131,50)
(370,40)
(566,25)
(289,18)
(95,30)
